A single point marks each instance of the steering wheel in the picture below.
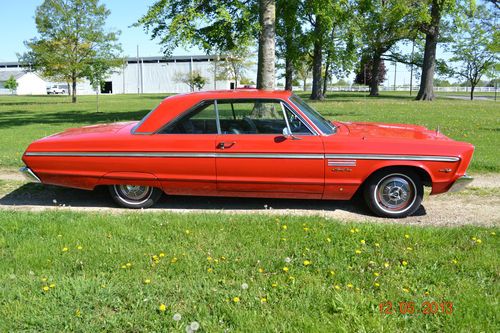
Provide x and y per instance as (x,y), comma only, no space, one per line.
(294,122)
(251,124)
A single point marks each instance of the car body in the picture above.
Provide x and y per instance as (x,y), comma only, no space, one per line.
(56,90)
(252,143)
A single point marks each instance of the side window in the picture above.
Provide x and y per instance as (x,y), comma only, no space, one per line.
(201,120)
(251,117)
(296,125)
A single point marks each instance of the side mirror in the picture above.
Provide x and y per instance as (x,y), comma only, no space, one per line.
(288,134)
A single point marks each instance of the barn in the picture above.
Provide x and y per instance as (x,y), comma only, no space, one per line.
(28,83)
(145,75)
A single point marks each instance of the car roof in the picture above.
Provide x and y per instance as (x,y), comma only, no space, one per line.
(175,105)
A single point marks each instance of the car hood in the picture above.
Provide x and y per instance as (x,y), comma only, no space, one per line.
(383,130)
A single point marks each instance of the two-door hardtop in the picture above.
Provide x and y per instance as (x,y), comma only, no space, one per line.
(252,143)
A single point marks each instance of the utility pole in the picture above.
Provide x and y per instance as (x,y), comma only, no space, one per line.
(395,63)
(138,73)
(411,66)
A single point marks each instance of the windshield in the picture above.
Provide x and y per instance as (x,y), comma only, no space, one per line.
(324,125)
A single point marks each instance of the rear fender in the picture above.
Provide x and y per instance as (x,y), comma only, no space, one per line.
(130,178)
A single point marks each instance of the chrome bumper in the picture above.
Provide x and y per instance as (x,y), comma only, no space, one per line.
(29,175)
(460,183)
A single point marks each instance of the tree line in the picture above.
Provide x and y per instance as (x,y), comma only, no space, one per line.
(328,38)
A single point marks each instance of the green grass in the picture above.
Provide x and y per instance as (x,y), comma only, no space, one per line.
(24,119)
(217,253)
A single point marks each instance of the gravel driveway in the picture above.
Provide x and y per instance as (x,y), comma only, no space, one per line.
(479,205)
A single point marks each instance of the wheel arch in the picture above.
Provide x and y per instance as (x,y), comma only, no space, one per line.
(421,172)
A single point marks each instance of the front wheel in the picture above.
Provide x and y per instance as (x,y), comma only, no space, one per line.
(393,194)
(135,196)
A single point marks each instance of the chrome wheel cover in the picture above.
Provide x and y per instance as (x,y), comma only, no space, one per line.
(133,194)
(395,193)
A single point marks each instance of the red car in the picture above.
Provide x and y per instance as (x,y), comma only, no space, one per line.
(252,143)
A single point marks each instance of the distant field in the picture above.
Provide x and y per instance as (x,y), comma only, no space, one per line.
(24,119)
(63,271)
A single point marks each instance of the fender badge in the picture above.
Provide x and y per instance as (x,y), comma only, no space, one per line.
(445,170)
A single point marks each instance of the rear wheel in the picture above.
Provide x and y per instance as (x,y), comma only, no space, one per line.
(135,196)
(394,193)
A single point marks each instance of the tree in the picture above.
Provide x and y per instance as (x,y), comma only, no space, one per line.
(194,80)
(474,51)
(11,84)
(430,25)
(235,64)
(303,70)
(72,36)
(267,44)
(384,23)
(96,73)
(365,70)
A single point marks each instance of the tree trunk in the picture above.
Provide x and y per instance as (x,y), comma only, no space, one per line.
(472,87)
(316,93)
(325,79)
(73,90)
(375,73)
(267,45)
(305,84)
(288,74)
(426,91)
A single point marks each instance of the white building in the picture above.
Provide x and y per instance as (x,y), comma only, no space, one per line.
(146,75)
(28,83)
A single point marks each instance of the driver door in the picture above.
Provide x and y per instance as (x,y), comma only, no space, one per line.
(253,155)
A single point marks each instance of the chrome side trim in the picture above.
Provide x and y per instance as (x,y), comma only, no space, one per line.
(460,183)
(29,175)
(395,157)
(169,154)
(342,163)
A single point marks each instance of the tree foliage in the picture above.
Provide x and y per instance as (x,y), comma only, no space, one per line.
(11,84)
(364,73)
(194,80)
(72,37)
(235,65)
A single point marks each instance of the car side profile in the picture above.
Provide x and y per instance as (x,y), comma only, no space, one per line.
(252,143)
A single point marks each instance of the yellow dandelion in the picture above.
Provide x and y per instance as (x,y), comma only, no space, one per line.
(210,270)
(307,262)
(261,270)
(124,266)
(337,287)
(174,260)
(128,265)
(386,264)
(222,258)
(59,235)
(147,281)
(426,293)
(357,251)
(65,249)
(283,239)
(263,300)
(332,273)
(407,236)
(349,285)
(376,274)
(356,229)
(187,231)
(161,254)
(236,299)
(285,269)
(474,238)
(209,258)
(404,263)
(377,244)
(406,290)
(352,231)
(493,233)
(376,284)
(284,227)
(44,279)
(478,241)
(45,288)
(454,261)
(329,240)
(409,248)
(306,229)
(52,285)
(216,261)
(162,307)
(78,313)
(79,247)
(362,241)
(274,285)
(291,278)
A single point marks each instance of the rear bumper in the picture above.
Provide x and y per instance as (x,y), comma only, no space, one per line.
(29,175)
(460,183)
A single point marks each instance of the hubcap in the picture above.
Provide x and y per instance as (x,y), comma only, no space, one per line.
(134,193)
(395,193)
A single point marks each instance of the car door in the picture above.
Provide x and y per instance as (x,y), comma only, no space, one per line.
(253,155)
(187,148)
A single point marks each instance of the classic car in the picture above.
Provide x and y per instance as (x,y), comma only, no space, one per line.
(252,143)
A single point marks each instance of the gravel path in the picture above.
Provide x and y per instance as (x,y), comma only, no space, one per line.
(470,208)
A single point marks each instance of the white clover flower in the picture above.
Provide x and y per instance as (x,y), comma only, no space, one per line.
(194,326)
(177,317)
(288,260)
(244,286)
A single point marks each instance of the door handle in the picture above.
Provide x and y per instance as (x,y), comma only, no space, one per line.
(224,145)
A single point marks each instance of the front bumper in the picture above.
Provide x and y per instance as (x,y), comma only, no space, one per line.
(460,183)
(29,175)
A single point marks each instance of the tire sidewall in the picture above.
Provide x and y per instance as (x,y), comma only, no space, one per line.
(153,196)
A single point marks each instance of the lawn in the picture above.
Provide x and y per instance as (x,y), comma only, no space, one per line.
(24,119)
(64,271)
